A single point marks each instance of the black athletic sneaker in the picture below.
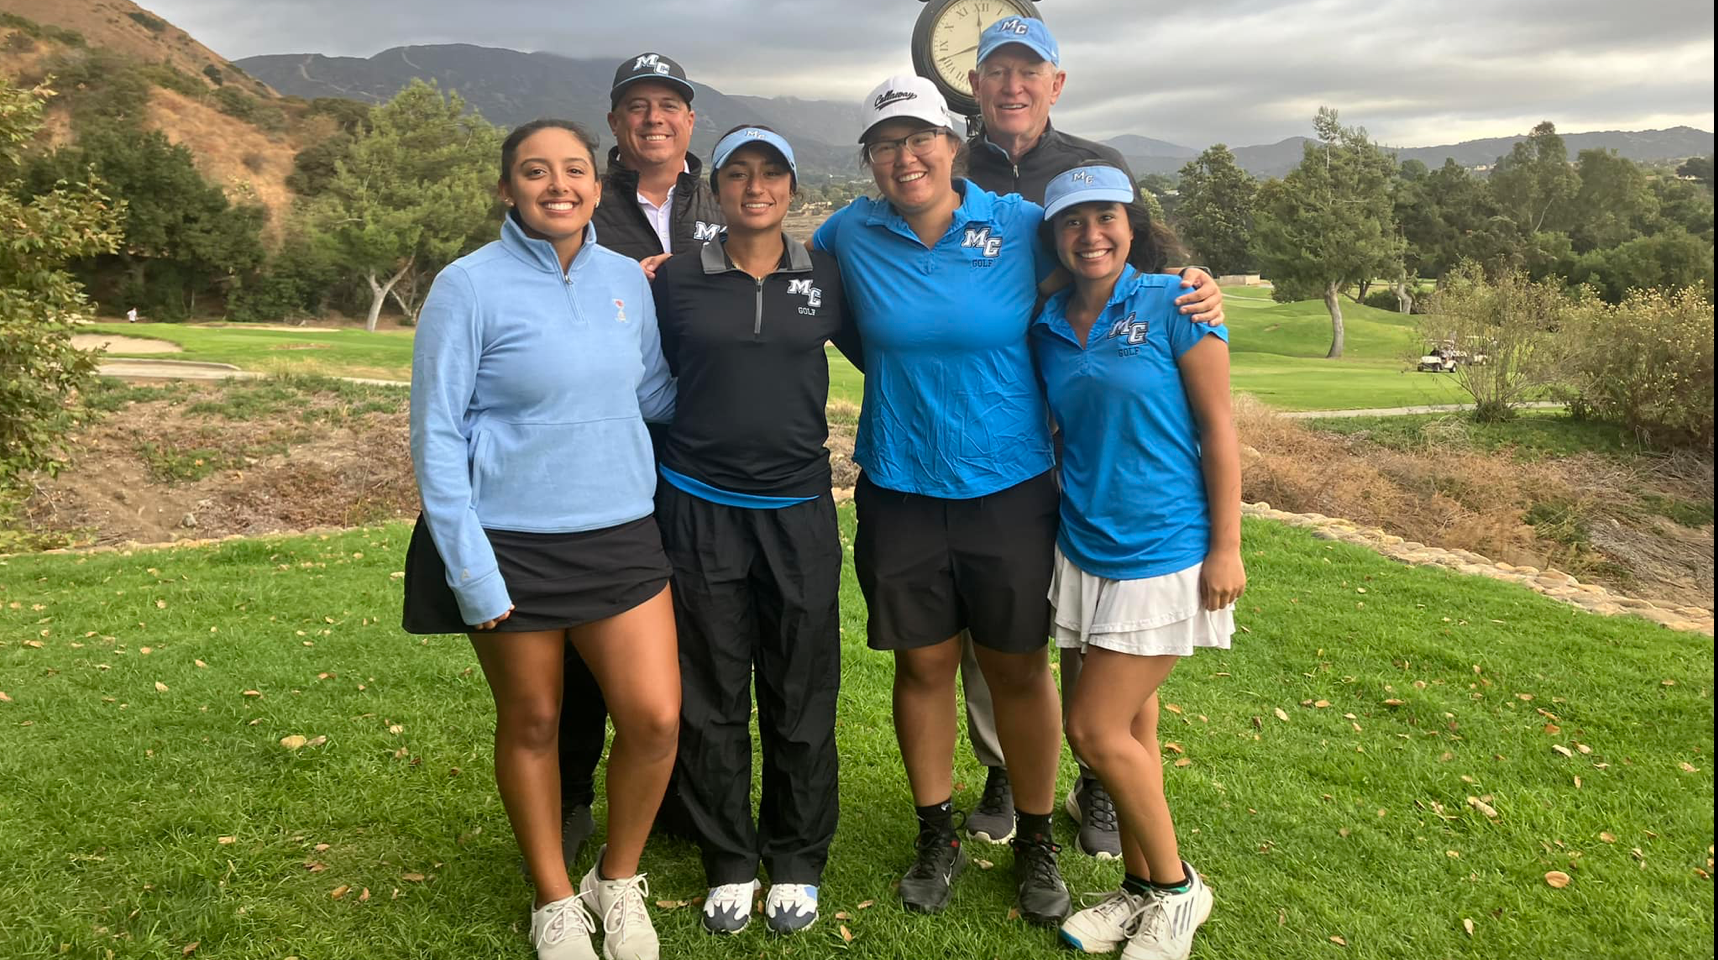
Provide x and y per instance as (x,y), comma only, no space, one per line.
(993,819)
(577,825)
(940,858)
(1043,897)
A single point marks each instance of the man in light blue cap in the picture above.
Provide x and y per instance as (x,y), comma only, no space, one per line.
(1018,79)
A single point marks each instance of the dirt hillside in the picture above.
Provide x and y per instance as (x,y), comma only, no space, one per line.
(124,27)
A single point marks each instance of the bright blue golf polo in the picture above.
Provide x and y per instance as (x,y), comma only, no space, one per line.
(1133,489)
(952,403)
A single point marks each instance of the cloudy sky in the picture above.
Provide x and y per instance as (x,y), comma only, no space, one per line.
(1241,71)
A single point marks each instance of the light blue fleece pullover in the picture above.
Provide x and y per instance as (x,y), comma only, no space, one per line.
(530,389)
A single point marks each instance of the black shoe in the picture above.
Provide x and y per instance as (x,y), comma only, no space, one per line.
(577,825)
(993,819)
(1091,807)
(940,859)
(1043,897)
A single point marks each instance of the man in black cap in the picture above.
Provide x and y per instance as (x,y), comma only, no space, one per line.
(657,200)
(655,203)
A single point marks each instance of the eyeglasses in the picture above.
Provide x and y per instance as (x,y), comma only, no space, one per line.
(889,151)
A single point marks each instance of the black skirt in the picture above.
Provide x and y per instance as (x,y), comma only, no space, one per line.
(556,580)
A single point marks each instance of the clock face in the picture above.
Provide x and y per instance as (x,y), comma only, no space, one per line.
(953,43)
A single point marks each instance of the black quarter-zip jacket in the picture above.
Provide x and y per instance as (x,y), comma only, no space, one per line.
(753,375)
(989,166)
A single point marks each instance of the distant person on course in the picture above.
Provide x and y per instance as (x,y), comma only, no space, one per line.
(1148,560)
(536,362)
(749,525)
(656,204)
(1018,79)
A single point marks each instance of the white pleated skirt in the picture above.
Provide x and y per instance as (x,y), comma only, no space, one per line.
(1154,617)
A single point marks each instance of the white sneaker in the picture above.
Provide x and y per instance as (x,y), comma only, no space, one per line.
(790,907)
(627,932)
(562,930)
(1105,927)
(1167,925)
(728,908)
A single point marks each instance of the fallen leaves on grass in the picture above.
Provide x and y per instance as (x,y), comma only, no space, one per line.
(226,840)
(412,877)
(1339,941)
(190,948)
(846,934)
(340,891)
(1565,751)
(1557,879)
(1687,767)
(1483,807)
(1281,714)
(4,698)
(160,687)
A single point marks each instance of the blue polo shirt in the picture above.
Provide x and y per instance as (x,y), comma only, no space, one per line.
(1133,488)
(952,404)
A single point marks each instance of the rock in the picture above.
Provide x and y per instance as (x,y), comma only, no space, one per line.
(1390,540)
(190,520)
(1694,613)
(1505,567)
(1554,576)
(1604,608)
(1530,571)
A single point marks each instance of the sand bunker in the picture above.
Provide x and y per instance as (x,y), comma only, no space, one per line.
(119,344)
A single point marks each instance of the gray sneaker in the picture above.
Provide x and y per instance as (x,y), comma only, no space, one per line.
(1042,897)
(1091,807)
(577,825)
(993,819)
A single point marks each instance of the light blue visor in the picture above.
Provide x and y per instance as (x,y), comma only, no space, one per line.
(748,136)
(1093,184)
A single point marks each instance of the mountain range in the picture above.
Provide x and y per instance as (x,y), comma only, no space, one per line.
(508,87)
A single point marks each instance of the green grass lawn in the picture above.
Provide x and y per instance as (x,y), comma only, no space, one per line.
(147,803)
(385,355)
(1278,354)
(1533,434)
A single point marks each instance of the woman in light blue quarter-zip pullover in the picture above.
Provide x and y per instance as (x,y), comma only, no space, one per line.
(536,364)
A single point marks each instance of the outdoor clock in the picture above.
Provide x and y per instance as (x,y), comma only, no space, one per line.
(945,43)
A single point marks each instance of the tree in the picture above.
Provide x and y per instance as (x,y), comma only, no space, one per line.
(416,191)
(1447,216)
(39,300)
(1512,322)
(1669,260)
(1215,216)
(182,236)
(1534,184)
(1330,222)
(1699,168)
(1163,191)
(1614,204)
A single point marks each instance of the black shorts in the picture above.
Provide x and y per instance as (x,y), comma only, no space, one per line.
(556,580)
(930,568)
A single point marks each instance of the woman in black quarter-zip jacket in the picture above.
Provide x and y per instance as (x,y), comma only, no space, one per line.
(749,525)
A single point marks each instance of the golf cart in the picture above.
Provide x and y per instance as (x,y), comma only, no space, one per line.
(1441,358)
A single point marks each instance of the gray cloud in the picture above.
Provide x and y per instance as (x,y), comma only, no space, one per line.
(1239,71)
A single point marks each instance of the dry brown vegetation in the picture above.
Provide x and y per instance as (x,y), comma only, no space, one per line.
(120,26)
(1591,514)
(319,458)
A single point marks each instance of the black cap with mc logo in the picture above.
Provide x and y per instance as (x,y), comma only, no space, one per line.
(648,66)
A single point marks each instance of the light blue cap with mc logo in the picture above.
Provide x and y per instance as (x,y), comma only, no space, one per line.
(1026,31)
(1088,184)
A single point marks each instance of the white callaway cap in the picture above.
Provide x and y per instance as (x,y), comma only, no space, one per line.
(905,96)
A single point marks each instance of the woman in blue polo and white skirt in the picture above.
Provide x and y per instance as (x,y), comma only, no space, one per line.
(1148,559)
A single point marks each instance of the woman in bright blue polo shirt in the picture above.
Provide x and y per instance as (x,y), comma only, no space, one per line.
(956,504)
(1148,561)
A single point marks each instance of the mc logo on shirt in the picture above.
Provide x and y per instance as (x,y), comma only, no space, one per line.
(813,295)
(1134,330)
(982,240)
(702,231)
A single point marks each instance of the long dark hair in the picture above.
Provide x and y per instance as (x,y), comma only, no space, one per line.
(1153,241)
(510,146)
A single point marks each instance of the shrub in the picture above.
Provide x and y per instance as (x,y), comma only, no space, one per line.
(152,24)
(1647,364)
(1383,298)
(170,77)
(214,74)
(1508,329)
